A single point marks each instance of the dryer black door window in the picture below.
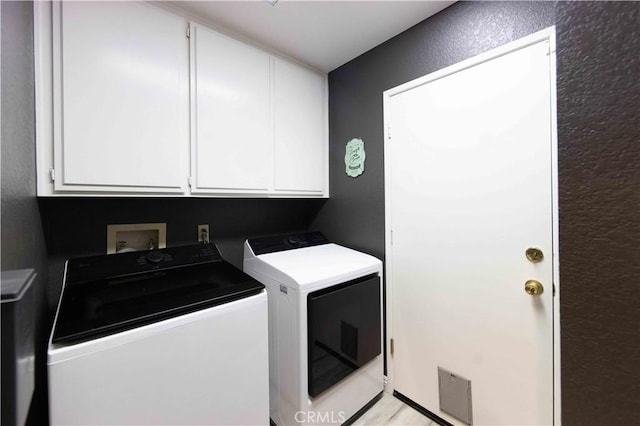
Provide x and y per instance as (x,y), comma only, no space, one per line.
(344,331)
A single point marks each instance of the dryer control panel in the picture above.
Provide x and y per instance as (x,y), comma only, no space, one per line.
(286,242)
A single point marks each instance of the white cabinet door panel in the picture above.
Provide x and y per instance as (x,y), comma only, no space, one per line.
(123,96)
(300,128)
(231,118)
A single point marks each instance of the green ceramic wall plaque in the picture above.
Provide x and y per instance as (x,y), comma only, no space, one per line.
(354,157)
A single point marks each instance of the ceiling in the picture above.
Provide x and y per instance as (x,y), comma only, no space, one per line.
(321,34)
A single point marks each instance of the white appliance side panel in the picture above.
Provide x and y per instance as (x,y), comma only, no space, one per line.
(284,331)
(124,95)
(212,370)
(273,294)
(287,360)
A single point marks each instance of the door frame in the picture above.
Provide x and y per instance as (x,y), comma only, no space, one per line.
(548,34)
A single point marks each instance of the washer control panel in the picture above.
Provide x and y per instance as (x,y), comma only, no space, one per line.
(92,268)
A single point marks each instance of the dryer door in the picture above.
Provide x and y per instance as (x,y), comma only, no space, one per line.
(344,331)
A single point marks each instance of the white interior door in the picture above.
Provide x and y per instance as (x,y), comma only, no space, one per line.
(470,187)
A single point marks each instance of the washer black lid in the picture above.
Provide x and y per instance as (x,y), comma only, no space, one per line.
(108,294)
(15,284)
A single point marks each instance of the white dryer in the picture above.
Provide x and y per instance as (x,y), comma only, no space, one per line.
(325,327)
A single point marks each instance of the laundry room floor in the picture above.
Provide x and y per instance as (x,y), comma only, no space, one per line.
(391,411)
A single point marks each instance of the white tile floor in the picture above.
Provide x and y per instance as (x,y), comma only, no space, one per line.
(391,411)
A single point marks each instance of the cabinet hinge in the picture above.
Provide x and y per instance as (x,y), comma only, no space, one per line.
(553,286)
(189,30)
(391,346)
(191,181)
(388,132)
(391,236)
(52,175)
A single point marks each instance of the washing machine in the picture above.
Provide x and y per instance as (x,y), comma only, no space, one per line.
(325,327)
(169,336)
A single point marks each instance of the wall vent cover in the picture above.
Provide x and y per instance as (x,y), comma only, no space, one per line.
(455,395)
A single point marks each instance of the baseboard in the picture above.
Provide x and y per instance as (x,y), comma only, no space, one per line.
(421,409)
(363,410)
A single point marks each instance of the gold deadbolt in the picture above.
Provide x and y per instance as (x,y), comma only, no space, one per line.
(534,254)
(533,288)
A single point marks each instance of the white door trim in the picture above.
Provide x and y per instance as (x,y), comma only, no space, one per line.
(547,34)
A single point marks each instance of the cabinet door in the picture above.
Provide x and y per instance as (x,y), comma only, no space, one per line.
(300,128)
(231,119)
(120,97)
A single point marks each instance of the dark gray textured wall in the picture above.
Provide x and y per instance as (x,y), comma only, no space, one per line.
(22,237)
(598,57)
(354,215)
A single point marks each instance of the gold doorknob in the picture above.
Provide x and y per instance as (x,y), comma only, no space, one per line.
(533,288)
(534,254)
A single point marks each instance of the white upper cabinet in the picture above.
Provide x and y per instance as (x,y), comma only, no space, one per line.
(231,135)
(132,99)
(300,119)
(120,78)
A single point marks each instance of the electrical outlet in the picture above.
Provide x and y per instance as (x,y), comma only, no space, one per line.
(203,233)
